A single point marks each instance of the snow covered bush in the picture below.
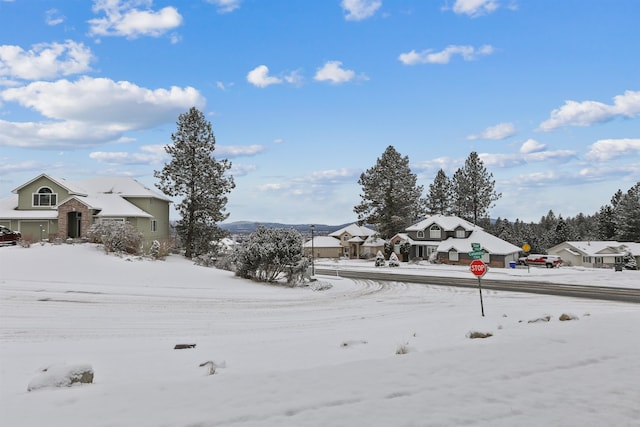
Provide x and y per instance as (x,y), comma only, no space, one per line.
(116,236)
(380,259)
(393,260)
(270,253)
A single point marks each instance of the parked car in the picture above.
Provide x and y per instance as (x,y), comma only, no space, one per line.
(8,237)
(548,261)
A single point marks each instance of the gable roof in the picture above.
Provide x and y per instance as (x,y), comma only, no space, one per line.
(122,186)
(446,222)
(71,187)
(323,242)
(106,195)
(602,247)
(354,230)
(111,206)
(488,242)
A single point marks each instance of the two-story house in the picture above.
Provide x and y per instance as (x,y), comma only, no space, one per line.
(352,241)
(50,208)
(448,239)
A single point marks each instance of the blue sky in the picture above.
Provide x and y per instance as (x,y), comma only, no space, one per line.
(304,96)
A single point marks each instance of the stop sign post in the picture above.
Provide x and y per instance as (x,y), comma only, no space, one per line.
(479,269)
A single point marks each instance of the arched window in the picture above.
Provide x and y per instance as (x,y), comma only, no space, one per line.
(45,197)
(434,232)
(420,234)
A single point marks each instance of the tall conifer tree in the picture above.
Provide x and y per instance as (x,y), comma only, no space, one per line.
(194,174)
(391,199)
(439,197)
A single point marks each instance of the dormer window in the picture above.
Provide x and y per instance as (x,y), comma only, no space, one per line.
(460,233)
(45,197)
(434,232)
(420,234)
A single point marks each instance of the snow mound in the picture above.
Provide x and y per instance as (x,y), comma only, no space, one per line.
(62,376)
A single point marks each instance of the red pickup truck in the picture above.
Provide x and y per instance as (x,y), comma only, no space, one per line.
(548,261)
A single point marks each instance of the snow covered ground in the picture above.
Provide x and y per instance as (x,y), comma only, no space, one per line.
(299,357)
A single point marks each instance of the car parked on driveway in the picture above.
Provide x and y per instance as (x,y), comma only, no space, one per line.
(9,237)
(548,261)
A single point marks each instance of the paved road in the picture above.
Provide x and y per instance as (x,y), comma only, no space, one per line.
(579,291)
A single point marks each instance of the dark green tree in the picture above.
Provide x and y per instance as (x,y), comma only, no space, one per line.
(439,197)
(194,174)
(474,189)
(391,199)
(627,215)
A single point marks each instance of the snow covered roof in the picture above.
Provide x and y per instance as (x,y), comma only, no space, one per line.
(488,242)
(122,186)
(354,230)
(8,210)
(373,241)
(106,195)
(323,242)
(112,205)
(71,187)
(603,247)
(446,222)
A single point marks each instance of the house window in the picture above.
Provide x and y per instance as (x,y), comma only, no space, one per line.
(420,234)
(460,233)
(45,197)
(586,259)
(154,225)
(345,237)
(453,256)
(598,260)
(434,232)
(619,260)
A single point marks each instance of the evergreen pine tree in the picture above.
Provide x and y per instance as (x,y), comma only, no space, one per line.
(459,206)
(606,226)
(475,189)
(194,174)
(391,200)
(627,215)
(439,197)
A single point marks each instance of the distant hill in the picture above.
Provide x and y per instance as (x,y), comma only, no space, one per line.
(246,227)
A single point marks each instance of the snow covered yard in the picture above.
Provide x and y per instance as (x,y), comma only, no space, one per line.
(298,357)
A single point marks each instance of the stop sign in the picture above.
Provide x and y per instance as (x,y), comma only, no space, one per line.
(478,267)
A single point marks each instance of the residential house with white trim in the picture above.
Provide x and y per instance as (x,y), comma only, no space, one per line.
(595,253)
(55,208)
(448,239)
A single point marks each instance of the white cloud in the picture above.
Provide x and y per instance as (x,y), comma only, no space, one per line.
(475,7)
(122,18)
(606,149)
(532,146)
(468,53)
(260,77)
(238,150)
(45,60)
(91,111)
(330,176)
(152,154)
(587,113)
(53,17)
(333,72)
(499,131)
(357,10)
(242,170)
(226,6)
